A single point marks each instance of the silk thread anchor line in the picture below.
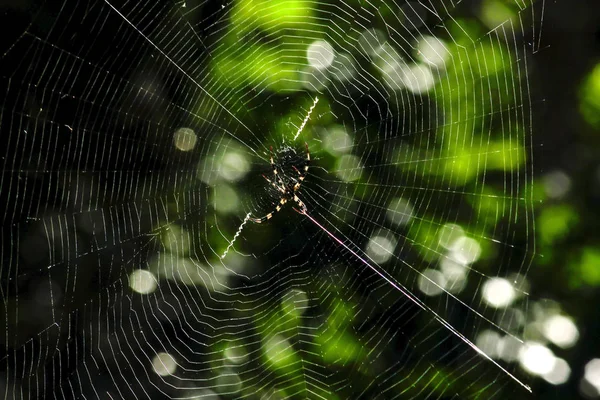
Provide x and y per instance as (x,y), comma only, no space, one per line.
(236,235)
(306,118)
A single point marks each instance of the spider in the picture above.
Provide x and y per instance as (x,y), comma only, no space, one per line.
(288,191)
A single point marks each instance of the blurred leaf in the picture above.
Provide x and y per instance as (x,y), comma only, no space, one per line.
(590,98)
(495,12)
(587,269)
(424,235)
(338,347)
(555,222)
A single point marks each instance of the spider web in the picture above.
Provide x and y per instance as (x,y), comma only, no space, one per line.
(136,135)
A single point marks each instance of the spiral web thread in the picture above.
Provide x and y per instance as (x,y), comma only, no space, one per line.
(135,133)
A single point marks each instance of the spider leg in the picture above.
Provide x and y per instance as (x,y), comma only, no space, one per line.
(267,217)
(297,170)
(300,204)
(280,188)
(276,174)
(261,219)
(301,175)
(307,158)
(299,180)
(273,163)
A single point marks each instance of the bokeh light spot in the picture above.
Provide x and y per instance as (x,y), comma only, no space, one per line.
(185,139)
(337,141)
(225,199)
(381,248)
(592,374)
(236,354)
(465,250)
(418,78)
(536,358)
(228,382)
(432,51)
(234,166)
(295,302)
(561,331)
(349,168)
(399,212)
(559,374)
(557,184)
(279,351)
(320,54)
(488,341)
(432,282)
(164,364)
(509,348)
(498,292)
(449,234)
(142,281)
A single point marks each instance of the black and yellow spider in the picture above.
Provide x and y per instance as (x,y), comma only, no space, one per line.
(288,190)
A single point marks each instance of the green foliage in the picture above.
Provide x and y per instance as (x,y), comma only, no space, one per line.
(338,347)
(590,98)
(555,222)
(470,142)
(425,234)
(495,12)
(270,15)
(586,268)
(270,31)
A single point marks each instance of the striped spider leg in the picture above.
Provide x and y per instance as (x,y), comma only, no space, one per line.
(288,192)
